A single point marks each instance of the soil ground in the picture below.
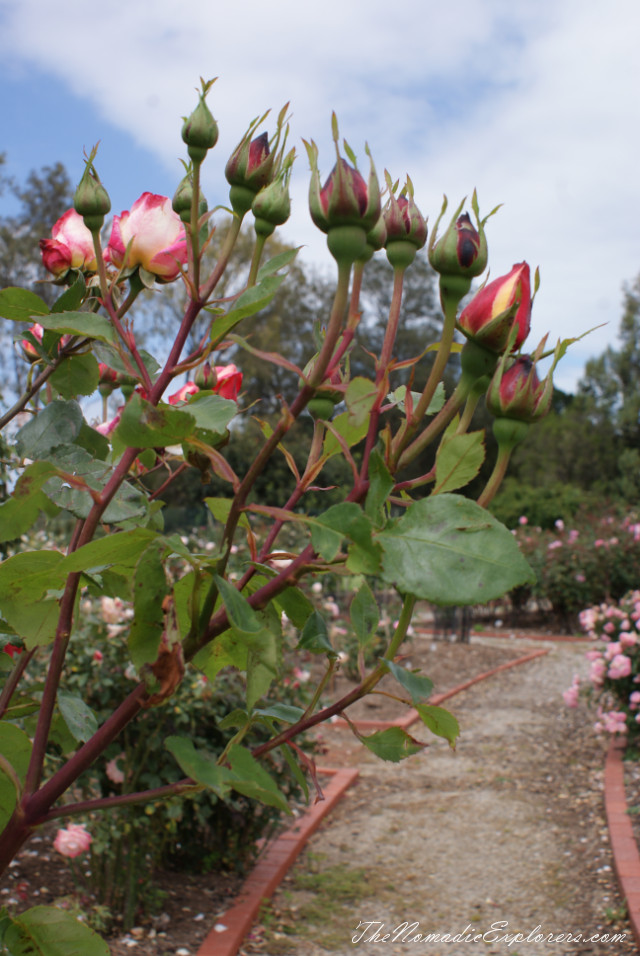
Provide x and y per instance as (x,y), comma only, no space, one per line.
(510,828)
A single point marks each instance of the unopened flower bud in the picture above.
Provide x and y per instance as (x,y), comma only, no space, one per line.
(516,391)
(272,206)
(403,219)
(462,249)
(500,306)
(91,199)
(200,130)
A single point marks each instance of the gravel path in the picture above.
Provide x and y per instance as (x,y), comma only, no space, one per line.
(507,830)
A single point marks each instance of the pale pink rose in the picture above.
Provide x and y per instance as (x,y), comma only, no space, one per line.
(113,771)
(522,520)
(560,524)
(580,578)
(71,246)
(573,536)
(157,237)
(183,393)
(609,627)
(73,841)
(593,655)
(634,699)
(614,722)
(627,639)
(599,543)
(615,647)
(105,428)
(620,667)
(553,545)
(572,693)
(597,671)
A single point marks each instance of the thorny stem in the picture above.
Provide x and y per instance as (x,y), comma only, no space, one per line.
(499,470)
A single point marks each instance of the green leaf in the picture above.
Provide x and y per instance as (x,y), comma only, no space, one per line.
(78,716)
(295,769)
(77,375)
(364,614)
(108,355)
(440,722)
(72,297)
(58,423)
(15,747)
(86,324)
(262,665)
(419,687)
(351,433)
(436,403)
(49,931)
(200,765)
(359,398)
(149,590)
(253,300)
(212,412)
(24,578)
(228,650)
(240,612)
(20,305)
(393,744)
(381,482)
(251,779)
(448,550)
(347,519)
(458,460)
(220,509)
(315,637)
(122,549)
(295,605)
(285,712)
(19,512)
(276,263)
(144,426)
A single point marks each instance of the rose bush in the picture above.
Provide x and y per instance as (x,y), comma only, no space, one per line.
(229,611)
(614,672)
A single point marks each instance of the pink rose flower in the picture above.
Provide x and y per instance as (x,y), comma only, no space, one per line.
(614,722)
(73,841)
(229,381)
(183,394)
(620,667)
(627,639)
(71,246)
(597,671)
(572,693)
(113,771)
(634,699)
(157,237)
(522,520)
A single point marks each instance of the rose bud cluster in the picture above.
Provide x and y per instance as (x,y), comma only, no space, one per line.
(498,307)
(150,236)
(71,247)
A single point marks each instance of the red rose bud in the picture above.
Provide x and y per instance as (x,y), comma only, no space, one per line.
(255,163)
(28,348)
(345,203)
(406,226)
(500,306)
(200,130)
(462,249)
(516,392)
(108,380)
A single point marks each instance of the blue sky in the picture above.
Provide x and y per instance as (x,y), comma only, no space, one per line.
(534,102)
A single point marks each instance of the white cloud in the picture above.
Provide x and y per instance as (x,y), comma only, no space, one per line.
(535,103)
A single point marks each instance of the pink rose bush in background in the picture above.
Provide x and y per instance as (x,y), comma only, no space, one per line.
(614,671)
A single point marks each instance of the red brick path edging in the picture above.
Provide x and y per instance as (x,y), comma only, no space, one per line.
(626,859)
(228,933)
